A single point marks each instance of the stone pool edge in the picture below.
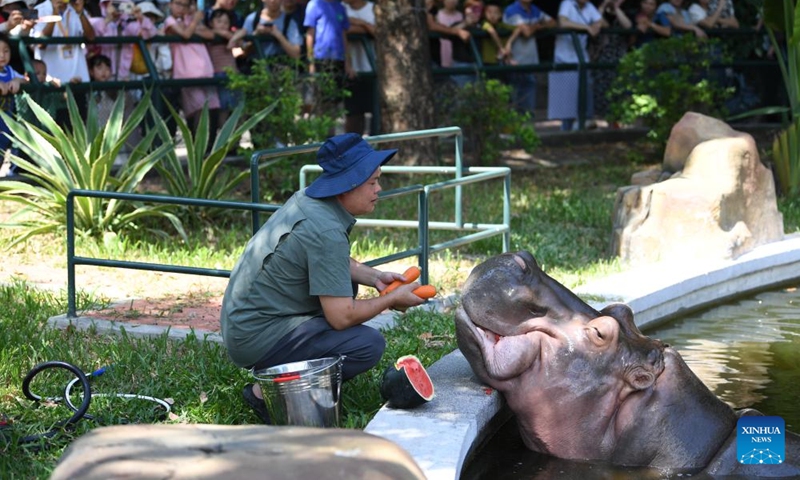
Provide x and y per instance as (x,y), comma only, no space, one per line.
(439,434)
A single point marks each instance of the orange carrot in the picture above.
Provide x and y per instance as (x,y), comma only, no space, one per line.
(425,291)
(411,274)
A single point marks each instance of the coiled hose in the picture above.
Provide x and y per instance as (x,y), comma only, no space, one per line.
(79,412)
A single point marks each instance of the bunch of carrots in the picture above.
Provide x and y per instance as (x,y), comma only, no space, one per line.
(411,275)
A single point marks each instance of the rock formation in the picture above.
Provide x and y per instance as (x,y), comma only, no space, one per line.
(233,452)
(718,203)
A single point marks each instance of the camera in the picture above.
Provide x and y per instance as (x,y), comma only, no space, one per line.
(30,14)
(124,7)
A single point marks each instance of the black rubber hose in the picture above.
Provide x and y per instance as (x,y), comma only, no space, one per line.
(87,392)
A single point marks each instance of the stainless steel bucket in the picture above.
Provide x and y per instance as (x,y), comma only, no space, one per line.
(303,393)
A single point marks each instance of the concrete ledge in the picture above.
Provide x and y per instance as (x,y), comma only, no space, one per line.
(439,435)
(112,327)
(659,293)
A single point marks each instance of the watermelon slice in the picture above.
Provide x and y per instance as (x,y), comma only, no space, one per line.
(406,384)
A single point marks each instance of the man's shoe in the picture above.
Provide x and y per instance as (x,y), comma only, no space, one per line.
(257,404)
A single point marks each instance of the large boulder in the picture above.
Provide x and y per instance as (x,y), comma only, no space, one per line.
(233,452)
(720,205)
(690,131)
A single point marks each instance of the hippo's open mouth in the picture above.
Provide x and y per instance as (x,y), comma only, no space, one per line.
(506,353)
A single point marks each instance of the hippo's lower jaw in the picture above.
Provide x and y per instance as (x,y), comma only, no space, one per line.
(495,357)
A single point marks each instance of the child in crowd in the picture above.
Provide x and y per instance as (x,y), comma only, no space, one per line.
(10,81)
(448,16)
(493,50)
(191,59)
(222,59)
(159,52)
(101,100)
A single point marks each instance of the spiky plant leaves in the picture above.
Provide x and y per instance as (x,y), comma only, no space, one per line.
(81,157)
(205,176)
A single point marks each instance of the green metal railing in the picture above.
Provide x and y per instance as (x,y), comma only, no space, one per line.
(423,249)
(74,260)
(463,176)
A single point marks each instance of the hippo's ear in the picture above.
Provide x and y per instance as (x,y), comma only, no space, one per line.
(639,378)
(619,311)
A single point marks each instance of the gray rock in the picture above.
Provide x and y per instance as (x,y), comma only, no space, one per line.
(691,130)
(233,452)
(721,204)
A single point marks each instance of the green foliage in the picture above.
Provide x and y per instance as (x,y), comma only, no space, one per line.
(786,156)
(282,83)
(81,157)
(482,111)
(790,208)
(205,177)
(661,81)
(204,385)
(786,148)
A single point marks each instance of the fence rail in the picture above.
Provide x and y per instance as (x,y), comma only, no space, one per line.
(154,81)
(463,176)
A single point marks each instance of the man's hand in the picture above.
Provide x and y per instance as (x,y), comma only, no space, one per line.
(403,297)
(642,24)
(14,19)
(384,279)
(699,33)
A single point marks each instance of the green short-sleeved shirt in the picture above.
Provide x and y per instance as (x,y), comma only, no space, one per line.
(301,253)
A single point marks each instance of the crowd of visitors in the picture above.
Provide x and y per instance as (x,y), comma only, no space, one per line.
(506,33)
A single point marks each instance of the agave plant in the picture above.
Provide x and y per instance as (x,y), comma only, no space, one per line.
(784,15)
(81,157)
(205,175)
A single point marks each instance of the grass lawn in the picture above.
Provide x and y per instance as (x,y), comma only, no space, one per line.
(562,215)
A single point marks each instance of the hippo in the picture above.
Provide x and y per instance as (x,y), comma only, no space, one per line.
(587,385)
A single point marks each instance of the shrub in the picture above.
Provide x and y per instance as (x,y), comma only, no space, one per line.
(482,110)
(282,82)
(205,175)
(81,157)
(662,80)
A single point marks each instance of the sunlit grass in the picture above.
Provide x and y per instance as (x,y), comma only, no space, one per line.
(563,216)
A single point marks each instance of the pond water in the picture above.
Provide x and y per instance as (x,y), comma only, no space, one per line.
(746,351)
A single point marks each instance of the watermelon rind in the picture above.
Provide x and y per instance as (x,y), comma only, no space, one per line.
(398,390)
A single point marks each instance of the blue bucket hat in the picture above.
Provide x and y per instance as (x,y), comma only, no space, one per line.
(347,161)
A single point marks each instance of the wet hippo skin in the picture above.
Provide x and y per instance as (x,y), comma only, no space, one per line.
(588,385)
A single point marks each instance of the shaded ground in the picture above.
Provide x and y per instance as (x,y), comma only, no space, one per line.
(156,298)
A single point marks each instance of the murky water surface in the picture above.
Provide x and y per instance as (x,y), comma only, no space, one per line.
(747,352)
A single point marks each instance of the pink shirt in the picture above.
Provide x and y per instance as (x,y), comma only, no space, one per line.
(446,46)
(145,29)
(189,60)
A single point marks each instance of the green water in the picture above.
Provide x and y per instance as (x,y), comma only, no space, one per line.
(746,351)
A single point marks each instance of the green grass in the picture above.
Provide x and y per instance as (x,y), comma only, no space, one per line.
(563,216)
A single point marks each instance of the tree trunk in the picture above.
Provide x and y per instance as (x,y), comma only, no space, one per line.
(404,74)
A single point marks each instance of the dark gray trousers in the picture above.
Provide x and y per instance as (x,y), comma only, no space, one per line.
(362,347)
